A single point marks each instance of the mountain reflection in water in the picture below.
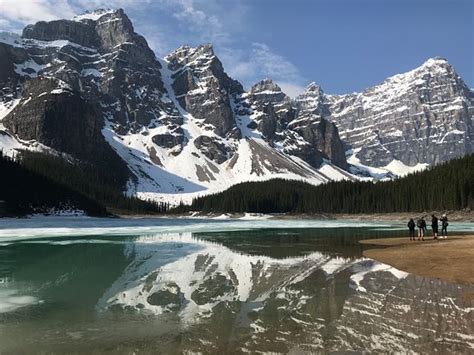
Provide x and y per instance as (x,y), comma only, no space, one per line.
(269,290)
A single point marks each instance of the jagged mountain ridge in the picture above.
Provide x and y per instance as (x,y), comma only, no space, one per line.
(180,126)
(319,301)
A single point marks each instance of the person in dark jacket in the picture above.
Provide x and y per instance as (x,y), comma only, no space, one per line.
(444,226)
(411,228)
(434,226)
(421,224)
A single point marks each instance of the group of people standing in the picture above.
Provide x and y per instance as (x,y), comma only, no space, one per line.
(422,228)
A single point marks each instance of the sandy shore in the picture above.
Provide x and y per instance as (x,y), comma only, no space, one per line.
(447,259)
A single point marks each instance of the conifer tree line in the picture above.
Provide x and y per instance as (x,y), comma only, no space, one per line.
(37,182)
(449,186)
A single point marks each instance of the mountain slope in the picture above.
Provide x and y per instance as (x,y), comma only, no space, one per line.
(179,127)
(448,186)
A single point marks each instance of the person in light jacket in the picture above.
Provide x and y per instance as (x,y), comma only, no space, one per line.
(421,224)
(444,226)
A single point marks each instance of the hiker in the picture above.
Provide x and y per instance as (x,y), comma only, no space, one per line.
(444,226)
(421,224)
(434,226)
(411,228)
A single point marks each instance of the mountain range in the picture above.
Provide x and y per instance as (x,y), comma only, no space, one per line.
(90,89)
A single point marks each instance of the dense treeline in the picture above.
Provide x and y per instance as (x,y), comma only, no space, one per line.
(448,186)
(38,179)
(23,191)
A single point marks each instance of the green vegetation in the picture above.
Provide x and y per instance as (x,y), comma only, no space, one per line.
(37,182)
(23,191)
(448,186)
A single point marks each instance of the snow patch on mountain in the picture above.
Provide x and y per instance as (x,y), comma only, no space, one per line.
(93,15)
(387,172)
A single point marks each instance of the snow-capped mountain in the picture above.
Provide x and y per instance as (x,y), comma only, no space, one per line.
(177,127)
(424,116)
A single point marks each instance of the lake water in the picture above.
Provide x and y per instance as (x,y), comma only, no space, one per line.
(208,286)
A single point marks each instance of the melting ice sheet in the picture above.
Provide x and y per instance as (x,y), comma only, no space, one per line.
(39,227)
(11,300)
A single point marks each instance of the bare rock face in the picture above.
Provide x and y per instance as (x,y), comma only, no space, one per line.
(53,114)
(422,116)
(168,140)
(273,109)
(76,32)
(323,143)
(204,89)
(299,125)
(212,149)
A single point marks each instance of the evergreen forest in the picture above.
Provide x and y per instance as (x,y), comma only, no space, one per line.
(448,186)
(35,182)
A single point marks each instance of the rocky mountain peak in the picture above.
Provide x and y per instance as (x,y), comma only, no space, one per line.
(265,86)
(314,89)
(418,118)
(114,28)
(201,55)
(435,62)
(94,15)
(102,29)
(436,67)
(312,101)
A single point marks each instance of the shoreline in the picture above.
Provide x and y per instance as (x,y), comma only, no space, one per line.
(446,259)
(397,217)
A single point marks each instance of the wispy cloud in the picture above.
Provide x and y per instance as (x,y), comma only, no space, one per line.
(262,62)
(34,10)
(30,11)
(14,14)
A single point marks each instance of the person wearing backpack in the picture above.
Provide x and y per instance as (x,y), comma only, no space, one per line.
(434,226)
(444,226)
(421,224)
(411,228)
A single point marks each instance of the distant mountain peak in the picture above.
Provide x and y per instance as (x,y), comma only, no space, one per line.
(265,85)
(187,50)
(313,89)
(435,61)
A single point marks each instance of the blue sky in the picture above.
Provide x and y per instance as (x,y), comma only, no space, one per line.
(343,45)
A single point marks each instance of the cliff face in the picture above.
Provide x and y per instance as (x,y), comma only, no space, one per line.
(92,88)
(420,117)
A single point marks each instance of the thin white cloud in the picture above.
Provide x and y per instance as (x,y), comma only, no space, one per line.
(291,89)
(273,64)
(206,25)
(262,62)
(28,11)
